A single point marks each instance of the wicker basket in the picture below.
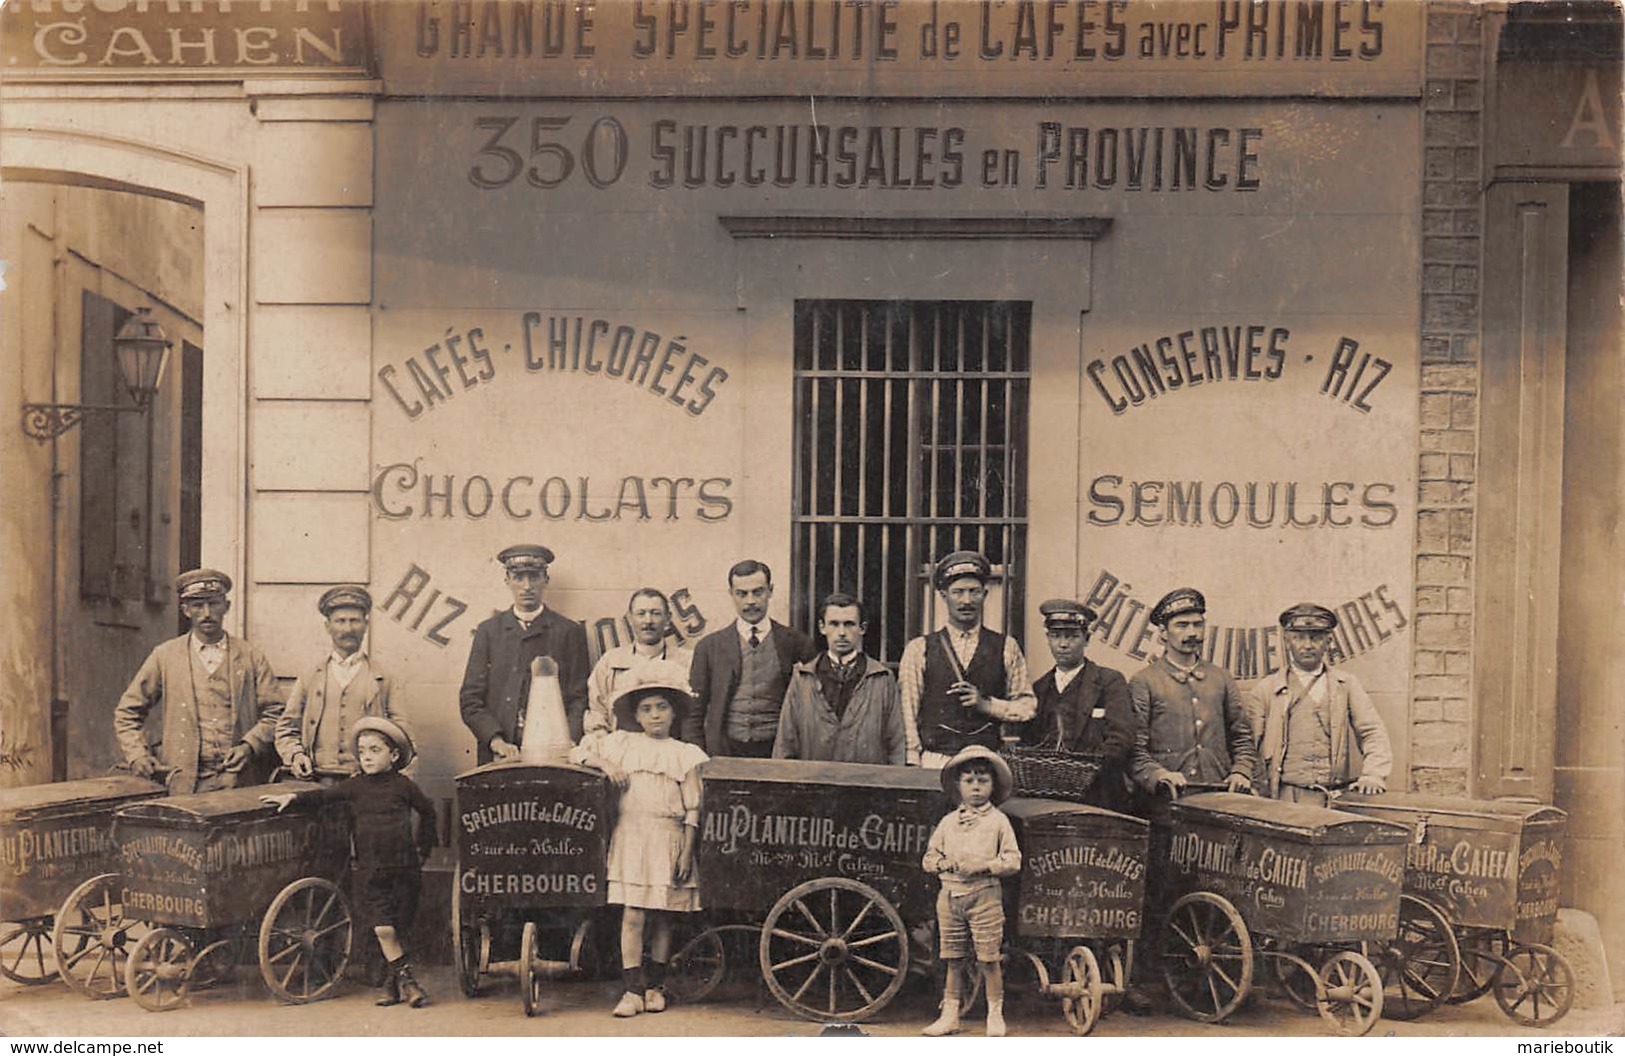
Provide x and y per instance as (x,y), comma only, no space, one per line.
(1048,773)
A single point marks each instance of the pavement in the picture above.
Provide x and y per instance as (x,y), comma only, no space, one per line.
(740,1008)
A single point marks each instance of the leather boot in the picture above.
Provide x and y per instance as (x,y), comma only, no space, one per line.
(947,1022)
(411,992)
(391,985)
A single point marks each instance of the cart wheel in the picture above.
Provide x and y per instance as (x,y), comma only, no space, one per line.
(1535,987)
(158,970)
(1420,966)
(697,968)
(1353,1001)
(1118,979)
(92,938)
(530,980)
(1207,956)
(212,965)
(833,949)
(970,983)
(1482,954)
(22,951)
(585,960)
(1297,979)
(471,942)
(305,940)
(1083,971)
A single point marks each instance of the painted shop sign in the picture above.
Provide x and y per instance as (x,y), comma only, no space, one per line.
(532,835)
(175,38)
(893,47)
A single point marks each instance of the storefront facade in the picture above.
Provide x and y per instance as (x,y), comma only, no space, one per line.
(1128,295)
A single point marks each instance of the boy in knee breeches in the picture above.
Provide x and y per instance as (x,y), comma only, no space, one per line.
(972,848)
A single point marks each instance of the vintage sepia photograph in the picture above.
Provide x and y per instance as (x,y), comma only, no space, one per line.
(716,518)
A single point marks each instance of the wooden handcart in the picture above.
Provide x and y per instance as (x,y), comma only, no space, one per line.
(1488,873)
(532,842)
(216,873)
(1299,886)
(53,838)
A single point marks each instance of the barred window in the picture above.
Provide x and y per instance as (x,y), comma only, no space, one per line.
(911,441)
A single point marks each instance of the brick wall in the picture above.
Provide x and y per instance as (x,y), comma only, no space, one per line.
(1452,230)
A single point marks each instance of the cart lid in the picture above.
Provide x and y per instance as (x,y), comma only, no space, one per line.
(64,797)
(803,772)
(209,808)
(1511,813)
(516,771)
(1040,812)
(1240,812)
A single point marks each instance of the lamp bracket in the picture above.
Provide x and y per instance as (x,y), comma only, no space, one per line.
(47,421)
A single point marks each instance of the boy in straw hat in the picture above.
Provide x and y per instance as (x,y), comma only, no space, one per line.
(972,847)
(388,856)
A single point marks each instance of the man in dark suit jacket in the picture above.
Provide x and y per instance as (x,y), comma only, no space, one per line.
(1083,707)
(496,683)
(740,672)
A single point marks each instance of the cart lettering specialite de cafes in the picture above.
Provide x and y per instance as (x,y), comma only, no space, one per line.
(532,811)
(875,833)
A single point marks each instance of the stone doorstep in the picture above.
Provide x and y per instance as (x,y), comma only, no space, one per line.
(1579,939)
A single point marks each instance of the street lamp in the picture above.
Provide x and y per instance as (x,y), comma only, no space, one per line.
(142,349)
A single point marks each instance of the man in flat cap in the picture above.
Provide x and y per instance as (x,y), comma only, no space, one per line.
(959,683)
(1306,714)
(496,683)
(648,613)
(740,672)
(1082,706)
(1190,721)
(313,734)
(218,694)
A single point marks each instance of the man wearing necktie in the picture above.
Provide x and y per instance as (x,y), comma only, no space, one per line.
(313,734)
(1190,721)
(740,672)
(1306,714)
(219,697)
(496,682)
(961,682)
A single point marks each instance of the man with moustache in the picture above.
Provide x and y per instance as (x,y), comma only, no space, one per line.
(959,683)
(1082,707)
(496,682)
(740,672)
(1190,721)
(648,612)
(842,707)
(1306,714)
(313,733)
(219,697)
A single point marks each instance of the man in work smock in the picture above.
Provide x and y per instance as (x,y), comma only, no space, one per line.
(648,612)
(959,683)
(1307,714)
(313,734)
(219,698)
(496,682)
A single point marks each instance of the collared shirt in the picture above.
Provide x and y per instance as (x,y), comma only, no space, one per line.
(1021,706)
(616,665)
(1063,677)
(527,618)
(343,668)
(838,679)
(763,629)
(210,654)
(979,841)
(1191,720)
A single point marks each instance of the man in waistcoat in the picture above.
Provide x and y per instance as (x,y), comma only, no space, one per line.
(496,682)
(218,696)
(1306,715)
(1082,707)
(740,672)
(959,683)
(648,612)
(312,736)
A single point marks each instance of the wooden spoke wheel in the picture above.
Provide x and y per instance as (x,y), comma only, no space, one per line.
(1297,978)
(697,968)
(92,938)
(833,949)
(1116,974)
(305,940)
(1535,987)
(23,946)
(1082,970)
(1353,988)
(158,970)
(213,965)
(586,960)
(1420,966)
(1482,954)
(471,942)
(530,976)
(1207,956)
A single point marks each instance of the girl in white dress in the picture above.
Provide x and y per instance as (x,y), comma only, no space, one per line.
(651,853)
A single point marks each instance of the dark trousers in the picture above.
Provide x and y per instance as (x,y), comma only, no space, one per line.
(750,749)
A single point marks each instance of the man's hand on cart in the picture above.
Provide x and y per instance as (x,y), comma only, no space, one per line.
(1370,786)
(147,766)
(1239,783)
(504,752)
(1171,781)
(238,757)
(280,800)
(302,767)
